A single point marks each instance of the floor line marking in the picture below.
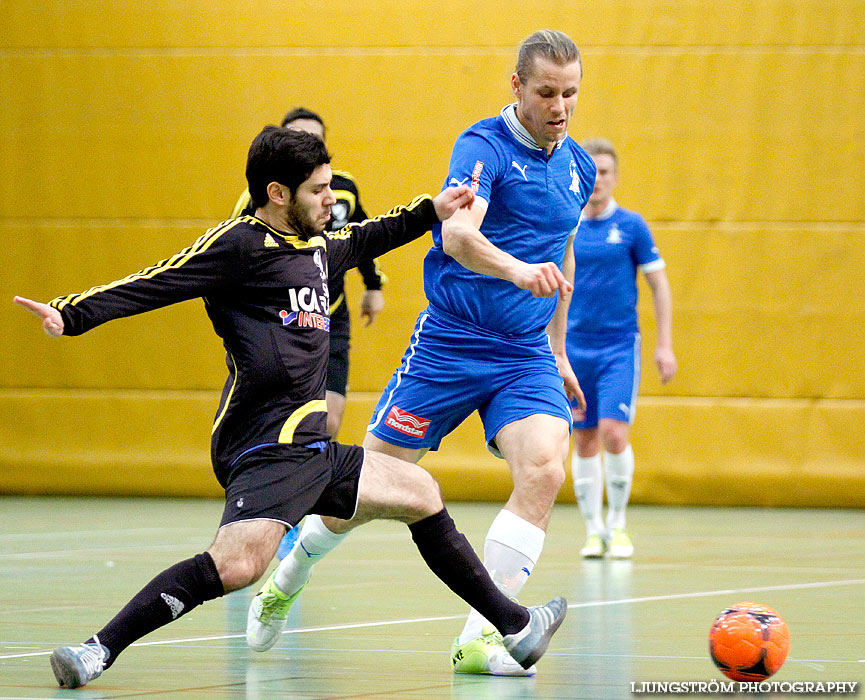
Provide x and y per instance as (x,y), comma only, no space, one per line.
(589,604)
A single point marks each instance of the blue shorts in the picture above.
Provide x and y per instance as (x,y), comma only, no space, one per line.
(450,370)
(609,375)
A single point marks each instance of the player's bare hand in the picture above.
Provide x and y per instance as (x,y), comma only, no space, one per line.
(371,305)
(451,199)
(666,362)
(543,280)
(52,321)
(572,385)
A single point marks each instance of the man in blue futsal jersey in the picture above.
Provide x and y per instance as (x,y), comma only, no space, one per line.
(492,338)
(604,350)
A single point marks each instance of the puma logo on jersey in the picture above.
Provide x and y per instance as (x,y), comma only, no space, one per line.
(270,242)
(457,183)
(522,170)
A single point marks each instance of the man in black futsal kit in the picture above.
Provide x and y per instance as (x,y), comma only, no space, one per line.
(347,209)
(264,283)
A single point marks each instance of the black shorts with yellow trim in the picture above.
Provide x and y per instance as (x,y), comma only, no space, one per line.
(286,482)
(340,340)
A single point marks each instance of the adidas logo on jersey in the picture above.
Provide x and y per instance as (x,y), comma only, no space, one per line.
(270,242)
(173,603)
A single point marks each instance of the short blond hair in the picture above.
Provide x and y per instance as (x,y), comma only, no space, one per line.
(553,45)
(601,147)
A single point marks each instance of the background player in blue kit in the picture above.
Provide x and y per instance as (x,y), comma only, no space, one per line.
(498,281)
(604,351)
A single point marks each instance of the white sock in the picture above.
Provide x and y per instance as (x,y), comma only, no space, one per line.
(588,479)
(314,541)
(512,548)
(620,474)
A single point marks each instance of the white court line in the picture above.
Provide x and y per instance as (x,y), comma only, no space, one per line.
(590,604)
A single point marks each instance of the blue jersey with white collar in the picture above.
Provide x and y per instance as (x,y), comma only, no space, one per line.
(532,203)
(608,251)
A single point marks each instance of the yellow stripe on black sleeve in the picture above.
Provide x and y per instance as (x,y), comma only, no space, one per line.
(396,211)
(382,277)
(174,262)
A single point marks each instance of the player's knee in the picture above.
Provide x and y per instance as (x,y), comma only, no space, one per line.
(429,499)
(541,480)
(615,437)
(240,572)
(554,475)
(423,499)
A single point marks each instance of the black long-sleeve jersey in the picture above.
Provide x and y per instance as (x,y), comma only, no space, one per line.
(267,295)
(347,209)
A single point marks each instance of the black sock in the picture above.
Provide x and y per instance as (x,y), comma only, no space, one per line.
(173,593)
(449,555)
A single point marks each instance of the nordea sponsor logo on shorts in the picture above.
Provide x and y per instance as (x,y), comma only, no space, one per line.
(406,422)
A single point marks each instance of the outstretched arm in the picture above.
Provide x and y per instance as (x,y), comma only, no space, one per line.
(52,320)
(401,225)
(210,263)
(463,241)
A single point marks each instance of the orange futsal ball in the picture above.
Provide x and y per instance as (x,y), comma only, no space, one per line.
(749,642)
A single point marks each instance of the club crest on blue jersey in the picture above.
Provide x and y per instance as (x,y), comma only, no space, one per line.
(575,179)
(615,235)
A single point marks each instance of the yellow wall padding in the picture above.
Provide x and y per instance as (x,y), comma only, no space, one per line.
(700,451)
(107,443)
(123,136)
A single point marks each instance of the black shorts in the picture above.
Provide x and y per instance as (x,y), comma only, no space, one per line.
(337,366)
(286,482)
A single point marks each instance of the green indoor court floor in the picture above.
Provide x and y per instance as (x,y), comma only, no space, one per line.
(375,623)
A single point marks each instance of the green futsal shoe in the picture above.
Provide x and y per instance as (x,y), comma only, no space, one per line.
(620,545)
(594,547)
(267,616)
(486,655)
